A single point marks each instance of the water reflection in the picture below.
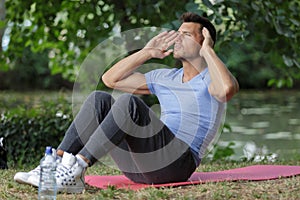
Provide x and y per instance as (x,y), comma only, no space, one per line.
(252,152)
(265,125)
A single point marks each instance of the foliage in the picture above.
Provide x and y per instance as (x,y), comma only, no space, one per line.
(2,17)
(254,36)
(31,72)
(69,30)
(266,32)
(222,153)
(27,130)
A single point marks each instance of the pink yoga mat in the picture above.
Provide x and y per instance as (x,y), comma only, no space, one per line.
(250,173)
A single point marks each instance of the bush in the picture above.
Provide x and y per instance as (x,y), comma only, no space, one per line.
(28,130)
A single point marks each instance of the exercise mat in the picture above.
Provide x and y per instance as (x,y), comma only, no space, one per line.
(250,173)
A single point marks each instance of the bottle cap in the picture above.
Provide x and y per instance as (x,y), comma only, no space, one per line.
(48,150)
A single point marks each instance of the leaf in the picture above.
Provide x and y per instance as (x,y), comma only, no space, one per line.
(296,63)
(254,6)
(218,21)
(207,3)
(2,24)
(267,18)
(287,61)
(295,22)
(280,83)
(271,82)
(191,7)
(4,67)
(278,28)
(289,82)
(118,40)
(227,127)
(28,43)
(32,8)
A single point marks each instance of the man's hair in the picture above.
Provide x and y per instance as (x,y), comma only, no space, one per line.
(192,17)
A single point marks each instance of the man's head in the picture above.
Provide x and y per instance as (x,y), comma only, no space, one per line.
(190,41)
(204,22)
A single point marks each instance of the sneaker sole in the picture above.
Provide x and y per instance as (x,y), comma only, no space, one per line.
(23,181)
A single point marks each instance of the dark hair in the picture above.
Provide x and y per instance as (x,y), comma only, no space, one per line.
(192,17)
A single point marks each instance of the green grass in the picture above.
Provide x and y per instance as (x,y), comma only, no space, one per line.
(283,188)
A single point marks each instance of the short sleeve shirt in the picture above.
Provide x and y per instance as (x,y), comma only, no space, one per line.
(187,109)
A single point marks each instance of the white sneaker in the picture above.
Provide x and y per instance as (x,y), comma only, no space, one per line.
(70,175)
(23,177)
(32,177)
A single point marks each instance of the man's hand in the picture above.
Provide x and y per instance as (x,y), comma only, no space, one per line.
(223,84)
(207,43)
(158,45)
(122,75)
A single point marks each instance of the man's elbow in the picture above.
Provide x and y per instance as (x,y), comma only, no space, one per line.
(107,81)
(231,90)
(226,93)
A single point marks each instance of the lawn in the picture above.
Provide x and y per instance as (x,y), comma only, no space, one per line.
(283,189)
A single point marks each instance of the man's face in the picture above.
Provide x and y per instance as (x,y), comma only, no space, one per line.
(188,43)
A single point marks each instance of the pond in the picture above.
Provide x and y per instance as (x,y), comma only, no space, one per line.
(264,124)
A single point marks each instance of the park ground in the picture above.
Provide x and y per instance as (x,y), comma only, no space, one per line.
(282,188)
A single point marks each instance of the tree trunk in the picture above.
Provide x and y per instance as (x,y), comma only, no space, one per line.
(2,17)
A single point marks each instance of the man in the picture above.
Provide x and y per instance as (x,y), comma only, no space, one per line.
(148,149)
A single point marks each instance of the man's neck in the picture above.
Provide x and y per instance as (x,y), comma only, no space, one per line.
(192,69)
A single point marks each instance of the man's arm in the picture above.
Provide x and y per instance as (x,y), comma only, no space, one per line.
(223,84)
(122,75)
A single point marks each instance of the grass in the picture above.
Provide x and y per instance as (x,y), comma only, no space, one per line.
(283,188)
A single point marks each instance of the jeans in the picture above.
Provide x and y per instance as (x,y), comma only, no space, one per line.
(141,145)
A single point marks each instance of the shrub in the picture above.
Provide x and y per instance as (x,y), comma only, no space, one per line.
(28,130)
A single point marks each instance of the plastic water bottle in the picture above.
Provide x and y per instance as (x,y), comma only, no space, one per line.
(47,185)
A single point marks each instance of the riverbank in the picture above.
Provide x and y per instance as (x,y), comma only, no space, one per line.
(264,123)
(283,188)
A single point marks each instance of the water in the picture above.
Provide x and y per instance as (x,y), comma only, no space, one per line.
(264,123)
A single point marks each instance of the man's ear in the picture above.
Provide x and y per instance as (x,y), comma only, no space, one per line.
(201,35)
(201,39)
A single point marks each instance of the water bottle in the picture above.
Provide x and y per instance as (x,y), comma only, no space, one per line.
(47,184)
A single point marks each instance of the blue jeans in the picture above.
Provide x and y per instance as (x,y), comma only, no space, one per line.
(141,145)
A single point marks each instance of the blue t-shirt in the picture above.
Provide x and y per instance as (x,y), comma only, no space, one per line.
(188,110)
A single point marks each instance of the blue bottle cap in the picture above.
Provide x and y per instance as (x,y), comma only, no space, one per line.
(48,150)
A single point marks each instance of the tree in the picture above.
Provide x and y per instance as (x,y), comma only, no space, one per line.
(267,32)
(2,19)
(69,30)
